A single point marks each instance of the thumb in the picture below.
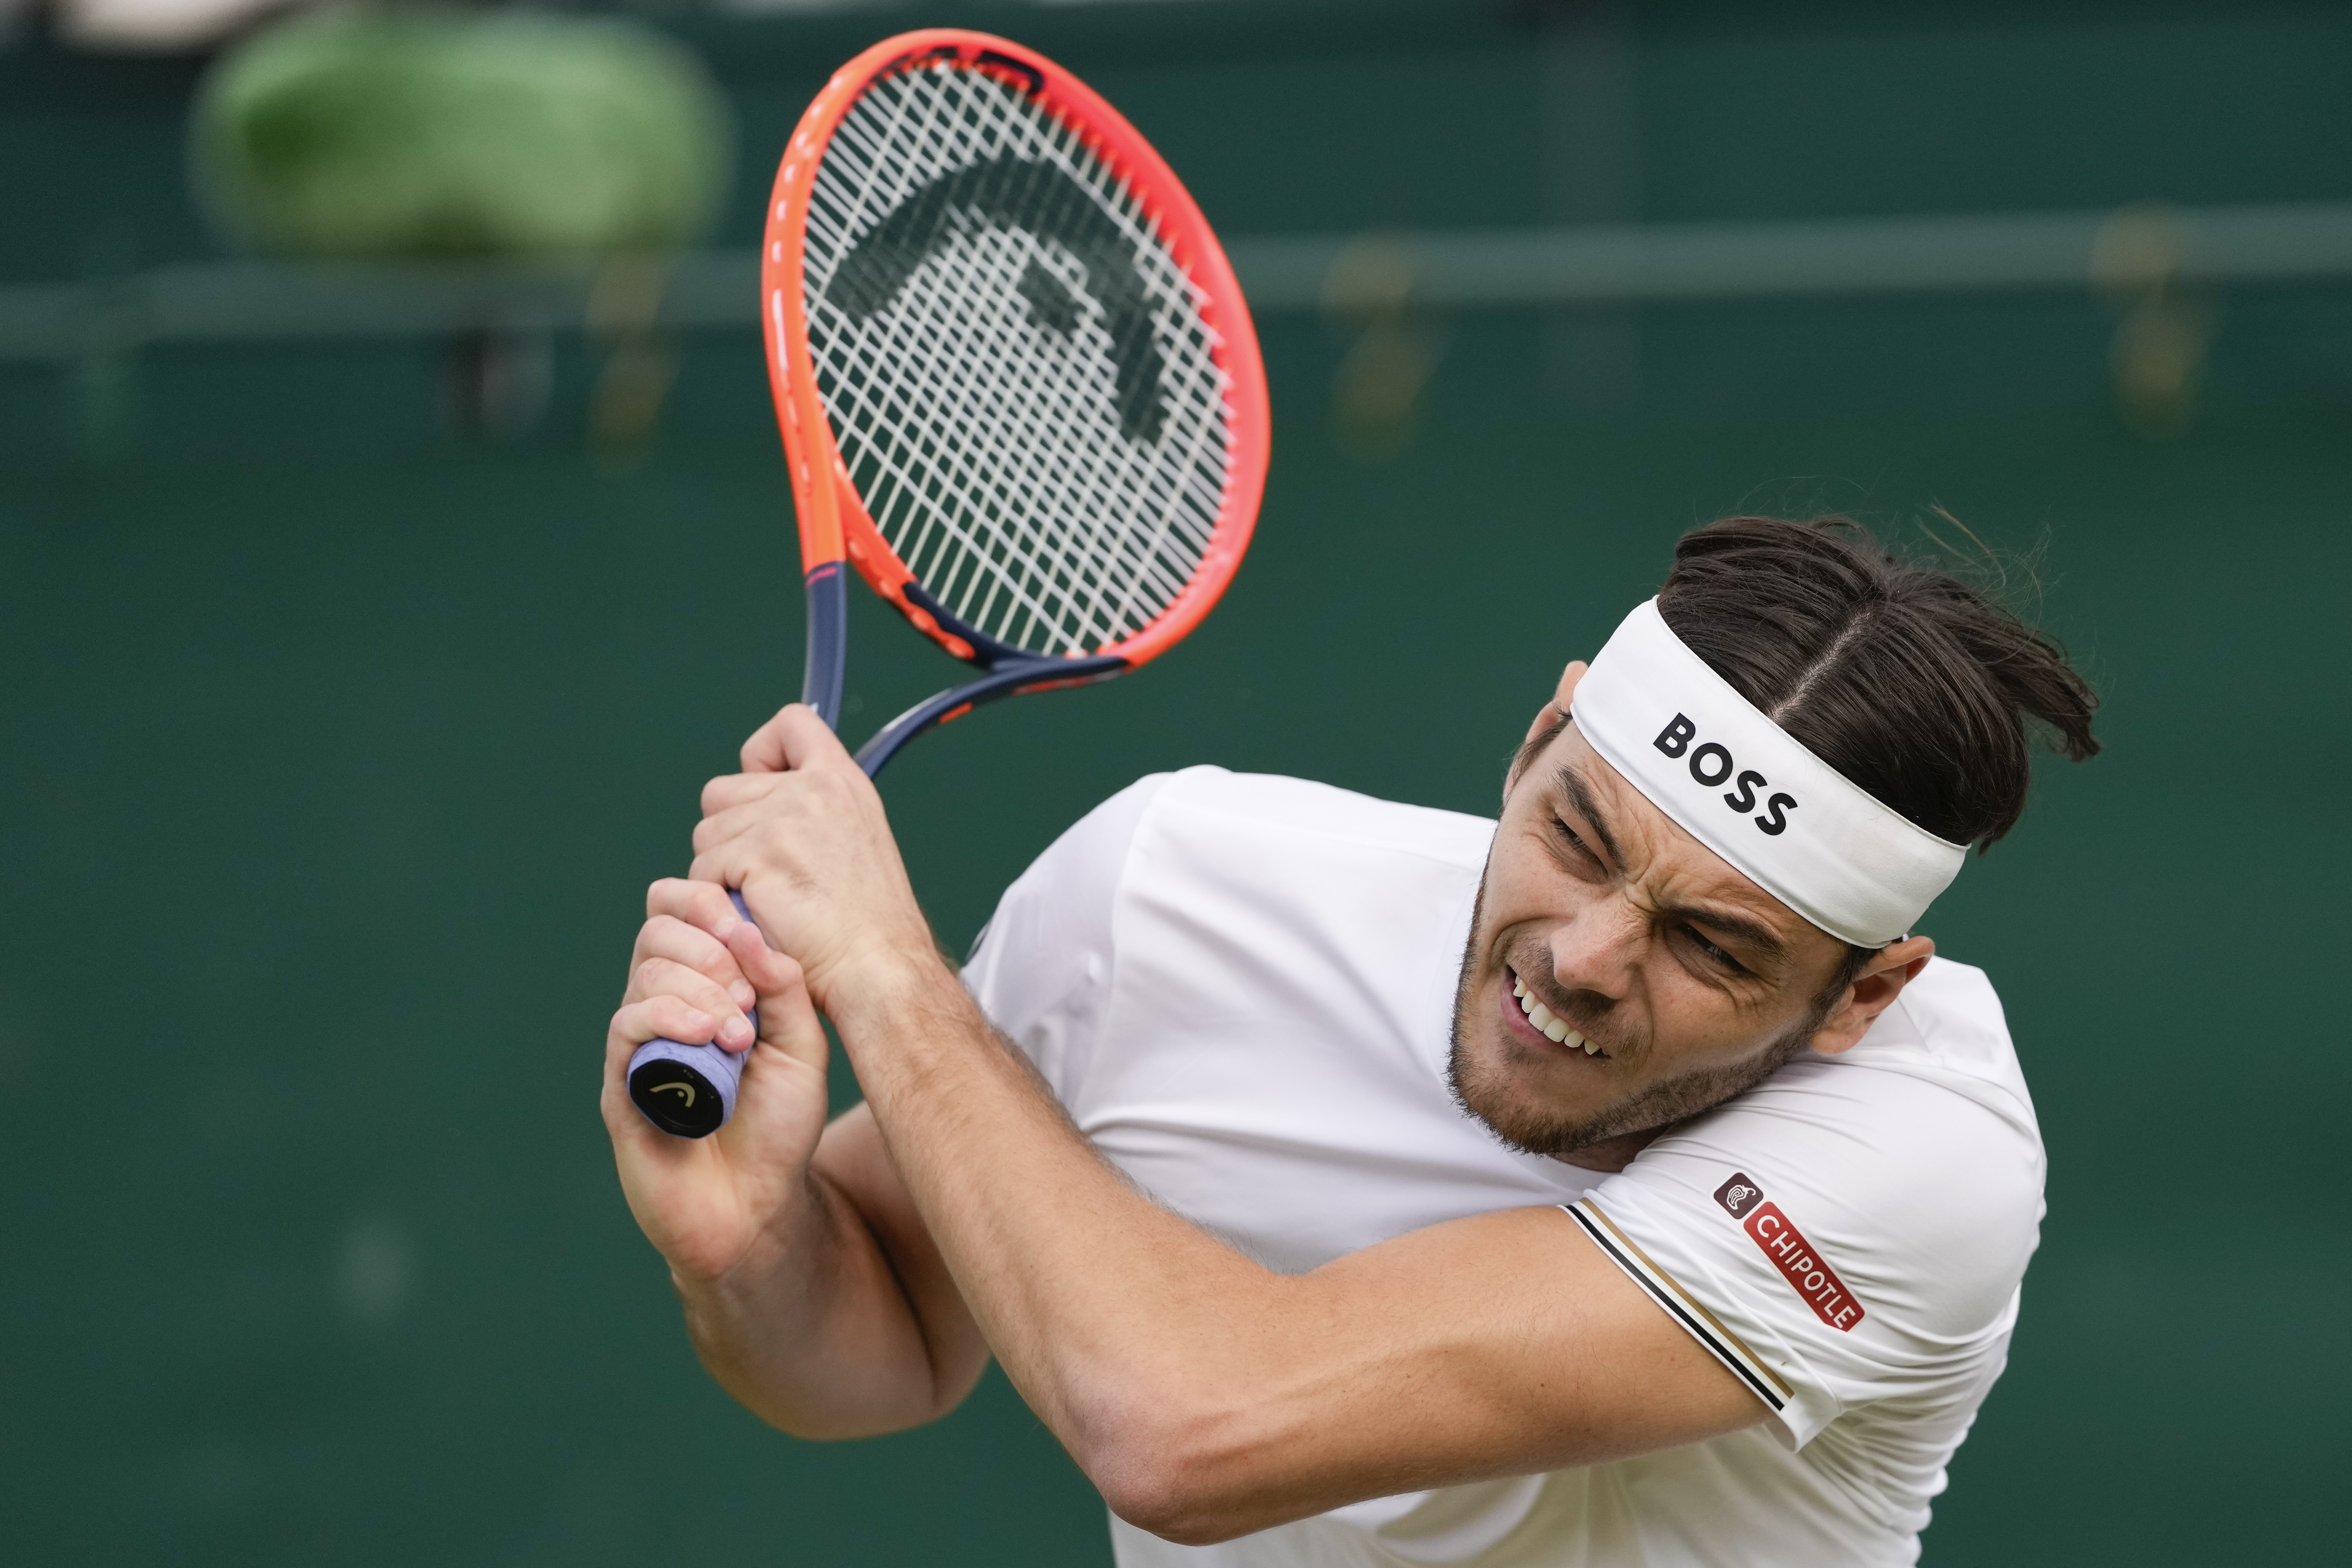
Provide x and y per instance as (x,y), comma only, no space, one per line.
(791,740)
(788,1020)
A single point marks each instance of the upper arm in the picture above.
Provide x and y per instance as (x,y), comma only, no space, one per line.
(852,1161)
(1502,1345)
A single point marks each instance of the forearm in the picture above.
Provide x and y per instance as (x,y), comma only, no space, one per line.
(814,1332)
(1100,1304)
(1207,1396)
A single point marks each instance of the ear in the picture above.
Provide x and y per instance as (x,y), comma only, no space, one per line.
(1550,713)
(1873,990)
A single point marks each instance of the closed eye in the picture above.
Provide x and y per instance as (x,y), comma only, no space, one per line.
(1711,952)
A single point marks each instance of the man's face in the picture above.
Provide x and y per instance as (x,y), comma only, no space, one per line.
(1676,981)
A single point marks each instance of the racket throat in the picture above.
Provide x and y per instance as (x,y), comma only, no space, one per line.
(986,650)
(1016,673)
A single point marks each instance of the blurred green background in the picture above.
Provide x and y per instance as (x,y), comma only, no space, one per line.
(337,746)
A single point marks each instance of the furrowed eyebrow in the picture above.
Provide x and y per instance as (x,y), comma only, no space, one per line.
(1579,796)
(1755,933)
(1762,938)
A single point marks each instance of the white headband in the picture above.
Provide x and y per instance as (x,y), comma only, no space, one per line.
(1743,787)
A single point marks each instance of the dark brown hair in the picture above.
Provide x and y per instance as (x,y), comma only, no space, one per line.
(1917,687)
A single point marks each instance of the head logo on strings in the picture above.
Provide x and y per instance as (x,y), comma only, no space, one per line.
(1046,202)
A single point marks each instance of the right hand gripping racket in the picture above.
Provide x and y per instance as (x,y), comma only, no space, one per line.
(1019,392)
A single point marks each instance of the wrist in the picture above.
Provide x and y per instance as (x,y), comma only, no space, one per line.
(879,988)
(778,1231)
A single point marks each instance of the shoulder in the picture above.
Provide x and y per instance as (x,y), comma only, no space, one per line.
(1253,852)
(1208,800)
(1203,839)
(1206,807)
(1230,891)
(1913,1160)
(1199,816)
(1948,1031)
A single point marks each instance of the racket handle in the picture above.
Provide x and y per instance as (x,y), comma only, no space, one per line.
(686,1090)
(689,1091)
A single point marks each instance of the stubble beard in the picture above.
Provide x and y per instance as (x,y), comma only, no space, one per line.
(1485,1091)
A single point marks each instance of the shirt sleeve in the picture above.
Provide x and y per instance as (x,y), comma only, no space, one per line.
(1041,968)
(1843,1234)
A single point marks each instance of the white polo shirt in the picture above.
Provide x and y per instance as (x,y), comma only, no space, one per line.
(1242,988)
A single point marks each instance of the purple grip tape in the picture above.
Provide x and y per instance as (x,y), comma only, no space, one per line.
(688,1091)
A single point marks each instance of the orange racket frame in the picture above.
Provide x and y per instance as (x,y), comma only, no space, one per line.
(835,526)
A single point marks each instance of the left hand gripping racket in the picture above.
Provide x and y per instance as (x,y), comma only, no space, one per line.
(1019,390)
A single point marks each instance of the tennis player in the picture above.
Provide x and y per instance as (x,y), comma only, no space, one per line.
(1623,1182)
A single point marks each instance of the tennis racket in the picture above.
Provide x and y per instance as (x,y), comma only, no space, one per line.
(1019,392)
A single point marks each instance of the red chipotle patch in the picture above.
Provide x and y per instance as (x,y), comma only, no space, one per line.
(1790,1253)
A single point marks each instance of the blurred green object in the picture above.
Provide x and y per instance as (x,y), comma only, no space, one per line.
(402,135)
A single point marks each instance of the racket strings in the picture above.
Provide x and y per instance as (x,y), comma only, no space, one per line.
(1019,376)
(1031,282)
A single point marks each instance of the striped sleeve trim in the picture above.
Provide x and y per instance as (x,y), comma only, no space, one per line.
(1702,1325)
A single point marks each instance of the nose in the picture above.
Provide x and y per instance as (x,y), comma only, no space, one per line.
(1597,949)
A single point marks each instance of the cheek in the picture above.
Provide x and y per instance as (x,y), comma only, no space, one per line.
(1699,1028)
(1525,882)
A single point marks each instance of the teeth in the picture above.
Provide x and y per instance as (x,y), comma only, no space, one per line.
(1558,1029)
(1591,1049)
(1519,986)
(1539,1015)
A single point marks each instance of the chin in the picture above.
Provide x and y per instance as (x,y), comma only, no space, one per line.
(1522,1100)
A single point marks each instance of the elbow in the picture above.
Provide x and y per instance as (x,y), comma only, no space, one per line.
(1163,1501)
(1173,1464)
(1167,1501)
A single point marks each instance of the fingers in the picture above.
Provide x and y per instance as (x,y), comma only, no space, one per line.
(793,739)
(764,752)
(658,1017)
(733,823)
(734,805)
(700,904)
(787,1019)
(665,937)
(731,790)
(809,741)
(666,977)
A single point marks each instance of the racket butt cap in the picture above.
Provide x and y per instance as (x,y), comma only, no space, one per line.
(688,1092)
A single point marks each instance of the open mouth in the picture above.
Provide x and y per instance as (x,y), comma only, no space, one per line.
(1547,1023)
